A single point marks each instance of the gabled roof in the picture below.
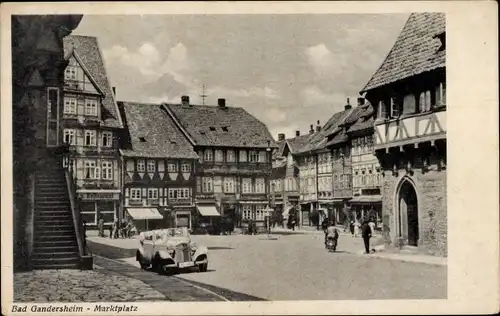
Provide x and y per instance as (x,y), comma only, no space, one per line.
(415,51)
(223,127)
(85,69)
(279,152)
(90,55)
(319,139)
(296,144)
(152,133)
(363,120)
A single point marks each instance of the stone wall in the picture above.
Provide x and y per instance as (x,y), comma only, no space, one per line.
(430,186)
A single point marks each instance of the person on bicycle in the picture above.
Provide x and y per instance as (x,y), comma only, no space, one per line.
(331,232)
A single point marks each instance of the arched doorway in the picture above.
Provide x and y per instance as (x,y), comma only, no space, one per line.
(408,214)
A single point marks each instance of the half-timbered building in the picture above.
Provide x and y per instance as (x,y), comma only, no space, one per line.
(235,151)
(90,125)
(366,200)
(408,92)
(158,173)
(337,142)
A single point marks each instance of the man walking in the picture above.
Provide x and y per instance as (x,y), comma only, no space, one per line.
(366,233)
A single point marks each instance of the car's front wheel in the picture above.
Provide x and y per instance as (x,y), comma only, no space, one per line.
(203,267)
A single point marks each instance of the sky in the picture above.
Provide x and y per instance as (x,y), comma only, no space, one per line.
(287,70)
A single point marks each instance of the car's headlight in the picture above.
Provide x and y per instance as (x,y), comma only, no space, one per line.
(193,247)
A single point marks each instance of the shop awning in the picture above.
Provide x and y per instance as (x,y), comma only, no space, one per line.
(144,213)
(208,210)
(366,199)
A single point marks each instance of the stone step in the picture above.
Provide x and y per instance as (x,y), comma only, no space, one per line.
(62,208)
(54,221)
(53,201)
(51,235)
(53,266)
(51,196)
(53,226)
(53,217)
(56,248)
(72,255)
(61,243)
(56,263)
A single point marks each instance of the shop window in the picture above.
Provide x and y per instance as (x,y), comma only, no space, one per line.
(88,212)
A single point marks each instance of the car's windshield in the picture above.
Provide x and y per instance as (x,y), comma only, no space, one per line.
(177,232)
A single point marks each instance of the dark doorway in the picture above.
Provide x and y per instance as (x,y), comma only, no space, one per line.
(408,214)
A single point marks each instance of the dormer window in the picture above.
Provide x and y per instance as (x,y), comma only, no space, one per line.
(224,129)
(442,38)
(212,128)
(142,139)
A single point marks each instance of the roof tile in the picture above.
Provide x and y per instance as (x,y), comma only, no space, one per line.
(415,51)
(160,136)
(225,127)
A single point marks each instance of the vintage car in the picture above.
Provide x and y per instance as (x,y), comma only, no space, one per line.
(169,249)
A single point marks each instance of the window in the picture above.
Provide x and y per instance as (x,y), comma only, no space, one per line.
(151,166)
(179,193)
(382,109)
(243,155)
(253,156)
(260,185)
(230,156)
(69,105)
(207,184)
(172,167)
(441,94)
(70,73)
(208,156)
(394,107)
(246,212)
(260,212)
(341,181)
(91,107)
(90,137)
(262,156)
(186,167)
(379,177)
(219,155)
(363,176)
(69,136)
(107,139)
(107,170)
(91,170)
(356,178)
(135,194)
(152,194)
(246,185)
(141,166)
(229,185)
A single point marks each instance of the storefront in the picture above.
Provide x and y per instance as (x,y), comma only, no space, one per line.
(368,207)
(327,211)
(145,218)
(207,212)
(95,204)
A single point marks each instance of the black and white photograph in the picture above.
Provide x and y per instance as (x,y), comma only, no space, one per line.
(190,157)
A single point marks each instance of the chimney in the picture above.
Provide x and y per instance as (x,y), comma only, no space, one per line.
(221,103)
(318,127)
(281,136)
(348,106)
(114,91)
(185,100)
(311,130)
(297,133)
(361,101)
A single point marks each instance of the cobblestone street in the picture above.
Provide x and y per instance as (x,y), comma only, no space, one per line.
(98,285)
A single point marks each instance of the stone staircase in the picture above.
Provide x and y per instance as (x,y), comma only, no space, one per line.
(55,245)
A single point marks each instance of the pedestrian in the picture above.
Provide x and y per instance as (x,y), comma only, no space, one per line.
(100,226)
(351,228)
(357,226)
(110,228)
(371,222)
(293,222)
(116,226)
(123,226)
(366,233)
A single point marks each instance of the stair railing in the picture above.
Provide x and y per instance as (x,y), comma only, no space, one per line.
(75,210)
